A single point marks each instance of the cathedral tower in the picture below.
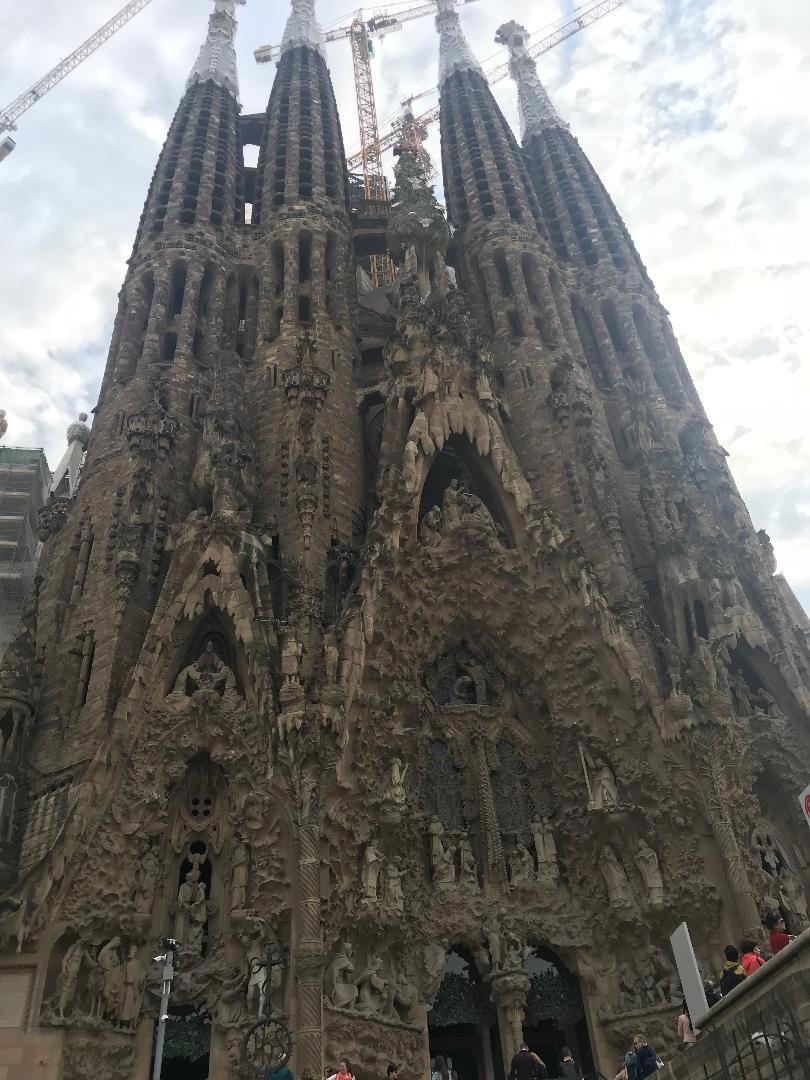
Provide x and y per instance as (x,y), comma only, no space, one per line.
(410,658)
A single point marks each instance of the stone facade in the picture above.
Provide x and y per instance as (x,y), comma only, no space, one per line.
(418,640)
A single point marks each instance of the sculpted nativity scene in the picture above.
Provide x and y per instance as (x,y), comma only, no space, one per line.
(407,654)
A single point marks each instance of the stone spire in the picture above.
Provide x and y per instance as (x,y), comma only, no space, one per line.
(536,110)
(217,59)
(454,52)
(302,27)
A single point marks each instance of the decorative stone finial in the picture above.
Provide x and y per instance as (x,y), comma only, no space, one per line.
(454,52)
(217,59)
(302,27)
(536,110)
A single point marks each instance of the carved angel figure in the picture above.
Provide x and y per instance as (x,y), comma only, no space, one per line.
(546,847)
(398,774)
(134,981)
(207,672)
(647,863)
(615,877)
(342,992)
(605,791)
(372,986)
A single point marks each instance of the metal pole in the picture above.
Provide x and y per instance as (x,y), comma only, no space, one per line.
(168,975)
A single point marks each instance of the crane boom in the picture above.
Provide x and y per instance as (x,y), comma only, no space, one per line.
(494,74)
(11,114)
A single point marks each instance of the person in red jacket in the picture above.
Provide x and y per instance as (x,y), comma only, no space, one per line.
(779,935)
(751,959)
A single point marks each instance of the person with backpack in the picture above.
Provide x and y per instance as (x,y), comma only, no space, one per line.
(752,959)
(642,1060)
(568,1068)
(733,973)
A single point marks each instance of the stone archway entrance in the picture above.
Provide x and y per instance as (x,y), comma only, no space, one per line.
(462,1021)
(555,1015)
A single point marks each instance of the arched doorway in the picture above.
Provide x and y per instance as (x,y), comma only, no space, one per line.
(187,1046)
(462,1022)
(555,1015)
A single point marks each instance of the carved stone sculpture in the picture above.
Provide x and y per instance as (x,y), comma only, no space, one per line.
(468,869)
(647,863)
(794,902)
(75,957)
(398,775)
(444,873)
(148,873)
(239,876)
(548,870)
(192,912)
(495,943)
(618,887)
(394,896)
(291,653)
(256,992)
(134,981)
(605,791)
(341,991)
(370,872)
(207,672)
(521,865)
(109,960)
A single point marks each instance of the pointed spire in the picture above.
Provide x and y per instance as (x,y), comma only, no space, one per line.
(302,27)
(536,110)
(454,52)
(217,59)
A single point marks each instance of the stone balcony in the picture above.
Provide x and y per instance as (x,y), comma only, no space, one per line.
(760,1031)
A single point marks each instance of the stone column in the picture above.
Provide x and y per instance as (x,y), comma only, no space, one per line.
(509,994)
(309,947)
(494,868)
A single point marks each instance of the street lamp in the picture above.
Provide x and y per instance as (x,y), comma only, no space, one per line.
(167,959)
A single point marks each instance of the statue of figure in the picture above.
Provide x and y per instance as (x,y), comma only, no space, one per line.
(553,536)
(605,793)
(372,986)
(647,863)
(703,667)
(394,896)
(109,960)
(207,672)
(444,873)
(672,663)
(741,694)
(134,982)
(239,876)
(521,864)
(494,939)
(436,832)
(629,998)
(434,956)
(516,953)
(468,870)
(430,528)
(452,505)
(291,653)
(664,976)
(95,989)
(398,774)
(340,990)
(370,872)
(75,956)
(229,1010)
(794,902)
(618,886)
(256,993)
(192,912)
(545,845)
(331,657)
(148,874)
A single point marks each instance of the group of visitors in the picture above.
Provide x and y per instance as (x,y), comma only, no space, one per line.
(526,1065)
(638,1062)
(748,959)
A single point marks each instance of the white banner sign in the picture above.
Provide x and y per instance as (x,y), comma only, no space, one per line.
(804,799)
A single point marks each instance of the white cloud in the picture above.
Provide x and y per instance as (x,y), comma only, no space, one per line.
(693,112)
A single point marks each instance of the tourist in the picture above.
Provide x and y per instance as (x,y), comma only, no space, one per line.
(440,1070)
(392,1072)
(281,1073)
(779,935)
(713,995)
(751,959)
(686,1032)
(343,1071)
(527,1066)
(642,1060)
(568,1068)
(733,973)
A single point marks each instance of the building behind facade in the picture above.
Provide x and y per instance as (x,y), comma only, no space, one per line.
(24,483)
(421,631)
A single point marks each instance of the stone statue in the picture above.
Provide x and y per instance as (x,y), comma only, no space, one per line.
(394,896)
(615,877)
(436,832)
(494,939)
(370,872)
(331,657)
(256,992)
(341,991)
(545,845)
(239,876)
(664,977)
(109,960)
(516,953)
(794,902)
(605,793)
(291,653)
(430,528)
(134,982)
(398,774)
(630,1000)
(434,956)
(207,672)
(192,912)
(553,536)
(372,986)
(703,666)
(444,873)
(75,957)
(229,1010)
(148,874)
(468,870)
(521,864)
(647,863)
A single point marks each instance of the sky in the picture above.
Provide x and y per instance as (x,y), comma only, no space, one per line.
(694,112)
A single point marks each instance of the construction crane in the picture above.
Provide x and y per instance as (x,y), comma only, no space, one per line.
(11,114)
(360,32)
(591,13)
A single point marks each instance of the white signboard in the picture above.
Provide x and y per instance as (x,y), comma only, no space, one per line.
(804,799)
(689,974)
